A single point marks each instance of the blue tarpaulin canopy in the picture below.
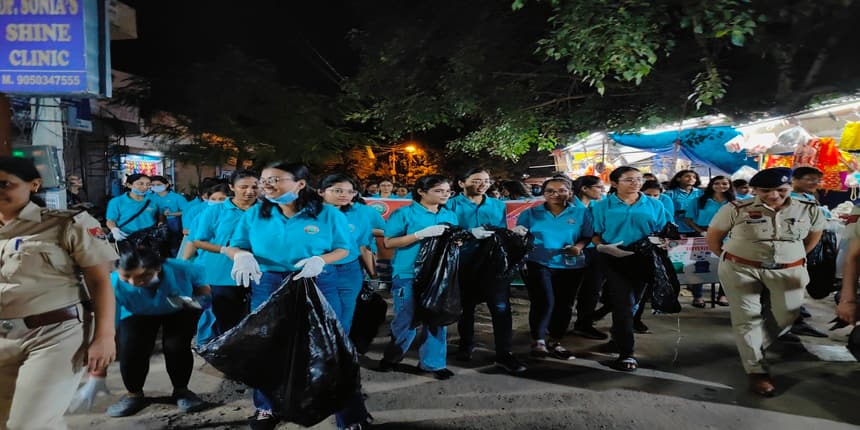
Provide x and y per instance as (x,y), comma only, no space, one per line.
(701,145)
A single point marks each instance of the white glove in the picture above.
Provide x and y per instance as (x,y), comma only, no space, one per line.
(245,269)
(86,395)
(659,241)
(614,250)
(481,233)
(118,234)
(520,230)
(311,267)
(432,231)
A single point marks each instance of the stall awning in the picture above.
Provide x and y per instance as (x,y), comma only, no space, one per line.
(703,145)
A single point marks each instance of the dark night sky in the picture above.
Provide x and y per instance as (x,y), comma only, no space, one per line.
(173,32)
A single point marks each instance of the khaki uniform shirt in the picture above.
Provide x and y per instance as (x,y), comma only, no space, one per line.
(40,254)
(758,233)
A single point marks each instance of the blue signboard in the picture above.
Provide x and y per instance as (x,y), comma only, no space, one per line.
(54,47)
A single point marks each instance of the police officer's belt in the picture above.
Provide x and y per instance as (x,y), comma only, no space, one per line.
(52,317)
(762,265)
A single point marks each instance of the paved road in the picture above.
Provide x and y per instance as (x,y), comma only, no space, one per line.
(690,378)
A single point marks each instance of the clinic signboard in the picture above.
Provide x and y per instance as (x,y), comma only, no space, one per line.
(54,48)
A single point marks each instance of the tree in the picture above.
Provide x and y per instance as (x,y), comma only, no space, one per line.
(510,77)
(241,100)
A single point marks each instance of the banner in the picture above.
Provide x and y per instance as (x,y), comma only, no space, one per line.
(694,263)
(56,47)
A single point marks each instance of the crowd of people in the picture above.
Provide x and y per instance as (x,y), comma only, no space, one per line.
(232,246)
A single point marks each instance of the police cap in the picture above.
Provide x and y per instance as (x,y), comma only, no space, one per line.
(771,178)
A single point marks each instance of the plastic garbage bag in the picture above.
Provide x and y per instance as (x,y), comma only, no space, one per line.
(370,309)
(495,263)
(658,270)
(436,286)
(821,265)
(293,349)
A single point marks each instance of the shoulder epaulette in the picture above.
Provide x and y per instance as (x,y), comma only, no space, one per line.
(62,213)
(741,203)
(808,202)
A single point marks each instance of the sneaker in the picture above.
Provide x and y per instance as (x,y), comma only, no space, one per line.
(804,329)
(639,327)
(127,406)
(510,363)
(559,352)
(264,420)
(590,332)
(539,350)
(188,402)
(441,374)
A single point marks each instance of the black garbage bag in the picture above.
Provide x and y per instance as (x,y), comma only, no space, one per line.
(151,237)
(370,309)
(294,350)
(657,269)
(436,287)
(494,264)
(821,265)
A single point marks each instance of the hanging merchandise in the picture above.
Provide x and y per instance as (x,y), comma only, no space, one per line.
(822,154)
(850,140)
(745,172)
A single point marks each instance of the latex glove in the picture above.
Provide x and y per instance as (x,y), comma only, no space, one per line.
(245,269)
(311,267)
(179,302)
(614,250)
(86,395)
(520,230)
(118,234)
(659,241)
(432,231)
(481,233)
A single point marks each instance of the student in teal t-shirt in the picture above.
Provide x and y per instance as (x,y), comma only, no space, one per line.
(683,187)
(132,211)
(405,230)
(698,215)
(152,295)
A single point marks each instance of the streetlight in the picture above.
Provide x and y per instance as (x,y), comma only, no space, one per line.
(410,149)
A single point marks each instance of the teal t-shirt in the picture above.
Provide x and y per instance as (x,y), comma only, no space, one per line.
(407,220)
(122,208)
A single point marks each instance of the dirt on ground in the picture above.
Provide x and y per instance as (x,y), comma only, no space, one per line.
(690,377)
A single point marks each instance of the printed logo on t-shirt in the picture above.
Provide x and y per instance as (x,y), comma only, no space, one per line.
(312,229)
(352,228)
(571,221)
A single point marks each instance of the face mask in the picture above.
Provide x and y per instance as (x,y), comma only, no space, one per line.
(154,281)
(214,202)
(159,188)
(138,193)
(283,199)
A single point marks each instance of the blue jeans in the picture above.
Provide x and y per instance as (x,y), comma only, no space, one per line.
(434,347)
(355,411)
(340,285)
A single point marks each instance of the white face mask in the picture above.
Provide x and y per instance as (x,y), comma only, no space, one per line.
(214,202)
(154,281)
(159,188)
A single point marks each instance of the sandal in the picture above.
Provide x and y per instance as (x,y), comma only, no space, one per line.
(699,303)
(625,364)
(723,301)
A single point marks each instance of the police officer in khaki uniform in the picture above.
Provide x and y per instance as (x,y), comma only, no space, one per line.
(768,239)
(44,329)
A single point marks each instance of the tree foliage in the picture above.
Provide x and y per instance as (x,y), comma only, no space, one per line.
(512,77)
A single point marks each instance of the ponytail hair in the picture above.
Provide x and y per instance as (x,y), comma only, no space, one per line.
(148,256)
(309,200)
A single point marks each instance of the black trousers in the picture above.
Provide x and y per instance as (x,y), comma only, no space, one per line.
(625,284)
(137,339)
(589,291)
(551,296)
(230,305)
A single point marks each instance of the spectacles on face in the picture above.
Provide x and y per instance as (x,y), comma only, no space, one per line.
(812,180)
(632,180)
(599,187)
(556,192)
(482,181)
(275,179)
(341,192)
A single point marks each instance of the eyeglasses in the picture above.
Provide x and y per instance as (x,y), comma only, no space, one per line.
(340,192)
(554,192)
(632,180)
(276,179)
(812,180)
(599,186)
(482,181)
